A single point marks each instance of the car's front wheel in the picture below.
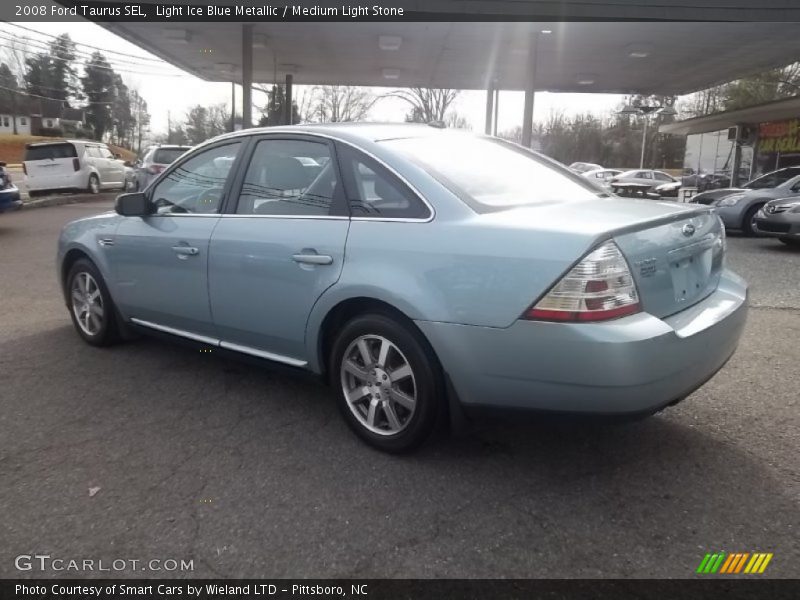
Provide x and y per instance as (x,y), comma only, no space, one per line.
(90,304)
(388,382)
(749,220)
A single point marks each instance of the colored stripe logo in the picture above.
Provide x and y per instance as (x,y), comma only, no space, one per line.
(734,562)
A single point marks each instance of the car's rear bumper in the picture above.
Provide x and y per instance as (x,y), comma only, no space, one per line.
(628,366)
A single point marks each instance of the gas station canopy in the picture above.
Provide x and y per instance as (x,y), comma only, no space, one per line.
(615,57)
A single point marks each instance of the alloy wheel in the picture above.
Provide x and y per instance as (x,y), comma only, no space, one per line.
(378,384)
(87,303)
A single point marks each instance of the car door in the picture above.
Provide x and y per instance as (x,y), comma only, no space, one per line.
(114,168)
(160,262)
(280,248)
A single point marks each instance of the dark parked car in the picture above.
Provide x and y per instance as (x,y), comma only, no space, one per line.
(737,207)
(9,194)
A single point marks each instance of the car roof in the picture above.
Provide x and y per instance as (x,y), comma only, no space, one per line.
(56,142)
(168,147)
(370,132)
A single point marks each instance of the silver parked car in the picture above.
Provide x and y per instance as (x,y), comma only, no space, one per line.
(155,160)
(582,167)
(647,177)
(424,273)
(738,207)
(781,219)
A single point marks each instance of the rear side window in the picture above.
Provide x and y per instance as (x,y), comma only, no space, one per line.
(373,191)
(289,178)
(50,151)
(166,156)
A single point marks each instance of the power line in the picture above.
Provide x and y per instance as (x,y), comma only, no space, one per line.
(109,68)
(43,46)
(127,54)
(2,87)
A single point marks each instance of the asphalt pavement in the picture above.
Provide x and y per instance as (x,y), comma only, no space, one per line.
(150,450)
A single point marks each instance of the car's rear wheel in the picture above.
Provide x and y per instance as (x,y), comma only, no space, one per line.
(791,241)
(388,382)
(749,221)
(90,304)
(94,184)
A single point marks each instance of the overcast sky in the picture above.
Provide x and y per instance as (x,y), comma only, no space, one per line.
(169,91)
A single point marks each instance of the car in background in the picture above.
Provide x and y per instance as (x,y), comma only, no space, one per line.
(9,194)
(71,165)
(737,207)
(582,167)
(155,160)
(668,190)
(781,219)
(645,177)
(551,295)
(601,175)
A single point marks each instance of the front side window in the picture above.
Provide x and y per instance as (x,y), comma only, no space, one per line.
(289,178)
(196,185)
(490,174)
(662,176)
(105,152)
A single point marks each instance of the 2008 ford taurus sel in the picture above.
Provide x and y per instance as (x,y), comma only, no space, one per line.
(422,271)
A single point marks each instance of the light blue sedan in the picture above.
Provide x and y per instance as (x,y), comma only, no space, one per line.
(427,274)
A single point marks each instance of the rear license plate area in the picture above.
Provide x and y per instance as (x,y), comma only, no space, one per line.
(690,269)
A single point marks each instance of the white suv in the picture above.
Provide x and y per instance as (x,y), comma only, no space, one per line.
(71,165)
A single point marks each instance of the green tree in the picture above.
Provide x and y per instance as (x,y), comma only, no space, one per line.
(272,113)
(99,88)
(9,95)
(122,113)
(52,73)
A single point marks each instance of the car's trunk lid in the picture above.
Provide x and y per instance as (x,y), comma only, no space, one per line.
(675,251)
(675,264)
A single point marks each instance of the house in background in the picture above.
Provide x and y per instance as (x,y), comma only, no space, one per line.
(40,116)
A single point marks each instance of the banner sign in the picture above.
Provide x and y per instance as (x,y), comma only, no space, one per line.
(779,136)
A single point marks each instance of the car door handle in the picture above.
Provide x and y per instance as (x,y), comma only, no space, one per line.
(184,251)
(312,259)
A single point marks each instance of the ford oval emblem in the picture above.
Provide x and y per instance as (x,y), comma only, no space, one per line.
(688,230)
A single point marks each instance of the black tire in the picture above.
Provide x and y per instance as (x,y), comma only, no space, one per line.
(791,241)
(747,221)
(94,184)
(107,333)
(34,193)
(426,378)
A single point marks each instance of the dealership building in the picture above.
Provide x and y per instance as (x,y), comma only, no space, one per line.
(748,142)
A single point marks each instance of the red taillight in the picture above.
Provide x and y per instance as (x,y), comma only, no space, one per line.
(76,164)
(155,169)
(598,288)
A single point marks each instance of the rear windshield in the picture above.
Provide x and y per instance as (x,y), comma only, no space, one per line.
(166,156)
(50,151)
(490,174)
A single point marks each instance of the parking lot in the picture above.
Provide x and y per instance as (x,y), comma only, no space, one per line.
(252,473)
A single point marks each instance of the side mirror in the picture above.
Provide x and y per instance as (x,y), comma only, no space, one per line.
(133,205)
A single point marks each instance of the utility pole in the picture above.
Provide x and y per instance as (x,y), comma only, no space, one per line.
(169,128)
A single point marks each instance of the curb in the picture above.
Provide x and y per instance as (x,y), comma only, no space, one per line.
(61,200)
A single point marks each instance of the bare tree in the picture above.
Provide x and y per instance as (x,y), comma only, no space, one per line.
(339,103)
(427,104)
(454,120)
